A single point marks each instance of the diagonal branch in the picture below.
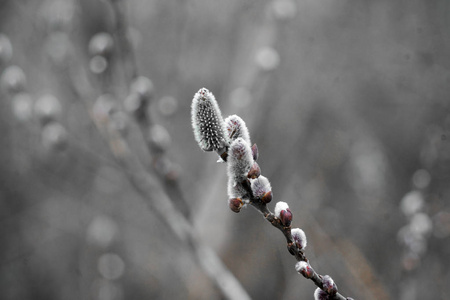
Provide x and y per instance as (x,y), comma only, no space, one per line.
(148,187)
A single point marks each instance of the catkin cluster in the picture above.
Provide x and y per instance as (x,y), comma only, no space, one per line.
(230,138)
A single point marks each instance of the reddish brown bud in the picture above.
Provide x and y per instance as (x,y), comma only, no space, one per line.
(235,204)
(255,152)
(267,197)
(328,285)
(286,217)
(305,269)
(254,172)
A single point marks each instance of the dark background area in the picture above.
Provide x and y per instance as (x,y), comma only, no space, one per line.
(348,102)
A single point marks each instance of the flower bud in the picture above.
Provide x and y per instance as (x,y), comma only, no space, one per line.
(235,204)
(283,213)
(321,295)
(299,237)
(240,160)
(143,87)
(207,122)
(254,172)
(47,108)
(267,197)
(255,152)
(261,189)
(328,285)
(13,79)
(101,44)
(54,136)
(236,128)
(304,268)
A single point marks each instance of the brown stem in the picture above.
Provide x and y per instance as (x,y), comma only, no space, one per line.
(286,230)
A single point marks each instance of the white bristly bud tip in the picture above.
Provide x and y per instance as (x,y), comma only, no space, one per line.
(320,295)
(261,189)
(236,128)
(304,268)
(300,265)
(283,213)
(240,160)
(328,285)
(279,207)
(207,122)
(299,237)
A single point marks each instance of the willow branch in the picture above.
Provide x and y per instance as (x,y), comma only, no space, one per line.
(292,246)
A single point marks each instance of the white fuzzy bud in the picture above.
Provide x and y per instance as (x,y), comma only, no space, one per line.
(207,122)
(301,265)
(236,128)
(328,285)
(280,206)
(240,160)
(260,186)
(304,268)
(261,189)
(283,213)
(299,237)
(320,295)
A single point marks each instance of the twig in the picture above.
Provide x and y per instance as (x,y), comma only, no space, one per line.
(141,114)
(246,185)
(157,199)
(286,230)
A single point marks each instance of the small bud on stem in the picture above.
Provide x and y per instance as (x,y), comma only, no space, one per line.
(283,213)
(304,268)
(328,285)
(299,237)
(235,204)
(261,189)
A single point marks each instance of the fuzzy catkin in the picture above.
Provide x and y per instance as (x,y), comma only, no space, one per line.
(207,122)
(235,189)
(240,160)
(260,186)
(236,128)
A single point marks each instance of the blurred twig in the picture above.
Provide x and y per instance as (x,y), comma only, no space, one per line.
(158,200)
(147,186)
(142,114)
